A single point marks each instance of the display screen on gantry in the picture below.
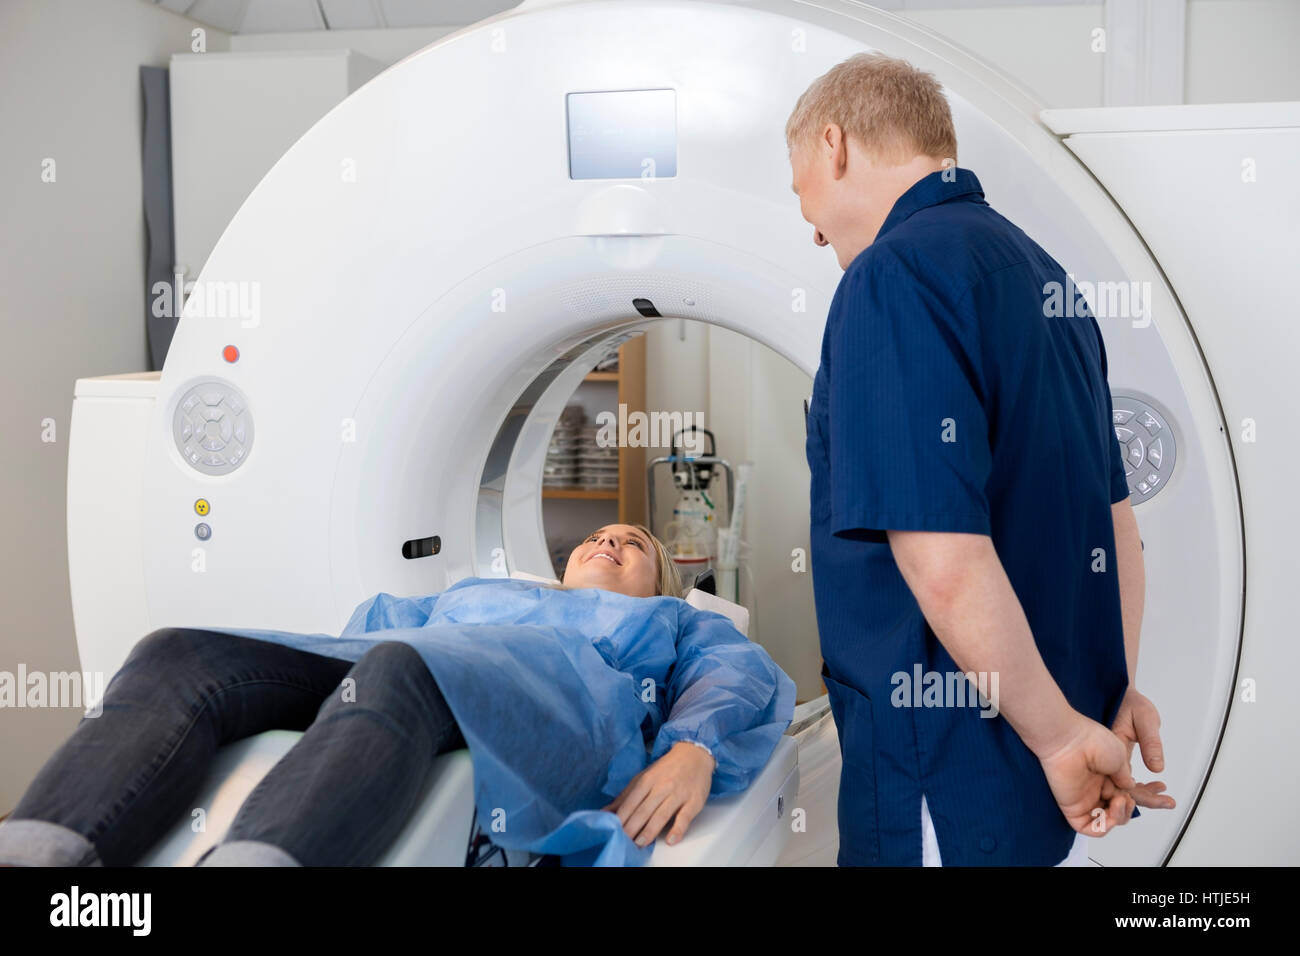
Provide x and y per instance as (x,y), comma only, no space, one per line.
(622,134)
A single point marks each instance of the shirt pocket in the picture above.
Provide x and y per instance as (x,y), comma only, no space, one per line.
(859,826)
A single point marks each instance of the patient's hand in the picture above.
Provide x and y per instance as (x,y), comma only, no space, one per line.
(677,783)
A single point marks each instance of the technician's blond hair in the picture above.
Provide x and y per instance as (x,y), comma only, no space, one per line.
(889,106)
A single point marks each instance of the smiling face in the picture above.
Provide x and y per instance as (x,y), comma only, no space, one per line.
(619,558)
(860,136)
(813,180)
(846,191)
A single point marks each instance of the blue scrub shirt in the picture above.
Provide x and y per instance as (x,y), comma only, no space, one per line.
(947,400)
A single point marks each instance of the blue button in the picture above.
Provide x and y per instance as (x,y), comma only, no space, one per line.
(988,844)
(202,531)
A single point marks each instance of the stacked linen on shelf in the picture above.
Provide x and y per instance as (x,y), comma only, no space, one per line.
(609,363)
(562,468)
(597,466)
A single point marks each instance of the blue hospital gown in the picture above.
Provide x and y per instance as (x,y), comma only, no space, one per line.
(558,694)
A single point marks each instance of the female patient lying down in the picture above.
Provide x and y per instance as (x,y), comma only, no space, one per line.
(558,691)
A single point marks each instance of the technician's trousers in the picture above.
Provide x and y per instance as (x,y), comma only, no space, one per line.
(338,798)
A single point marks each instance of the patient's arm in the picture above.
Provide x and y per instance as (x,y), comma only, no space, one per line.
(724,693)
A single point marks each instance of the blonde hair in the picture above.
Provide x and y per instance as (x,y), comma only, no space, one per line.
(889,106)
(670,579)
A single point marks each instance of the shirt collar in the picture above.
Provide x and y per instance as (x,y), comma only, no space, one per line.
(933,190)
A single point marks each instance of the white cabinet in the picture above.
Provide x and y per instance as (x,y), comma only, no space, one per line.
(232,116)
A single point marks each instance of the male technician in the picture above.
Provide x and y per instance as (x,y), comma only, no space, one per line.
(969,506)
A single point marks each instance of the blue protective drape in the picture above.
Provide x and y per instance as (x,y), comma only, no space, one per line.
(558,693)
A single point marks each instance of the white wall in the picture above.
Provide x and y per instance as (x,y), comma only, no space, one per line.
(233,115)
(72,259)
(1045,50)
(1236,51)
(1242,51)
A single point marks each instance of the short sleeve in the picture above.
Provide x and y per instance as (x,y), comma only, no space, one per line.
(908,442)
(1118,480)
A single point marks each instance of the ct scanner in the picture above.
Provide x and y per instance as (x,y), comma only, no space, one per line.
(437,263)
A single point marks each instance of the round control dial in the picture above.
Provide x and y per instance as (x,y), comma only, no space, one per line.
(213,427)
(1148,446)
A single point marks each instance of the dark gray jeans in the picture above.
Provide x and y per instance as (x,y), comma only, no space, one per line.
(338,798)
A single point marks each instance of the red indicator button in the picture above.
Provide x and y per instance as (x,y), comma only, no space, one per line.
(230,353)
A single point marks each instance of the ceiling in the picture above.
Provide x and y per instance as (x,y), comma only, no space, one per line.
(294,16)
(298,16)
